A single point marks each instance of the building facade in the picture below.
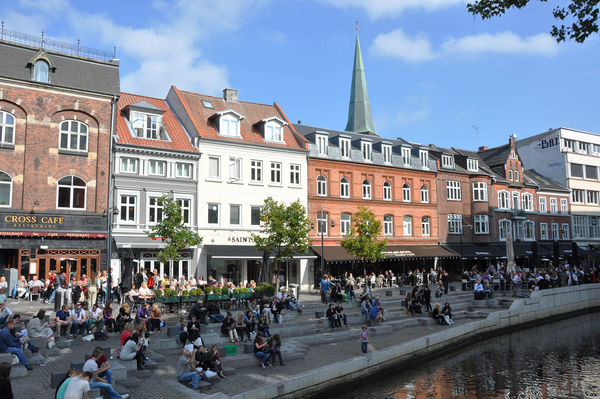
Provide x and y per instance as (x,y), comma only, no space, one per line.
(55,127)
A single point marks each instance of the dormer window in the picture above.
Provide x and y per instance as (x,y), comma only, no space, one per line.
(472,165)
(386,150)
(424,158)
(229,126)
(406,155)
(322,145)
(273,132)
(367,150)
(147,126)
(448,161)
(41,71)
(345,147)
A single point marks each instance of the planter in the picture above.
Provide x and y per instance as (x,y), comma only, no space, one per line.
(212,297)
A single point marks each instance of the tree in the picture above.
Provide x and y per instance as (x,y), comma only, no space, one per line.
(582,14)
(172,231)
(362,238)
(285,232)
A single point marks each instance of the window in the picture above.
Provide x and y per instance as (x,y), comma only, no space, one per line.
(503,199)
(503,229)
(406,155)
(41,71)
(425,226)
(510,175)
(387,191)
(516,202)
(183,170)
(229,126)
(518,230)
(453,192)
(584,147)
(577,196)
(480,191)
(207,104)
(321,185)
(580,227)
(276,172)
(256,171)
(388,225)
(569,145)
(155,210)
(345,187)
(387,153)
(235,169)
(565,231)
(424,194)
(592,197)
(127,209)
(322,223)
(213,213)
(576,170)
(516,175)
(156,168)
(186,209)
(482,224)
(564,205)
(255,215)
(235,215)
(596,149)
(366,148)
(407,226)
(591,172)
(406,192)
(553,204)
(554,231)
(322,145)
(472,165)
(5,190)
(366,189)
(543,231)
(128,165)
(345,220)
(529,233)
(543,208)
(145,125)
(448,161)
(345,148)
(527,200)
(214,167)
(454,224)
(71,193)
(73,136)
(294,174)
(7,128)
(273,132)
(424,158)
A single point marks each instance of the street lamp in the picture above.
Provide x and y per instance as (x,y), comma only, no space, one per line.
(322,224)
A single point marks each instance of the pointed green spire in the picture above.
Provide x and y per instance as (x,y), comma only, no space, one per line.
(360,119)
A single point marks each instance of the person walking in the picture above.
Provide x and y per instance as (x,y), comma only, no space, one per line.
(364,339)
(92,288)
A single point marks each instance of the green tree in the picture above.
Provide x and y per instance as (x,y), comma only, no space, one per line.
(285,232)
(581,16)
(362,238)
(172,231)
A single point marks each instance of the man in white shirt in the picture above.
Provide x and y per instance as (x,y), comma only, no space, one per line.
(91,366)
(79,387)
(79,319)
(95,318)
(4,313)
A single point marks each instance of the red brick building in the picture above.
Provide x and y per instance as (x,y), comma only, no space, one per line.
(55,124)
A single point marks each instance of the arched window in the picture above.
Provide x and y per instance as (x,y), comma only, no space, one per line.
(388,225)
(71,193)
(406,192)
(40,71)
(387,191)
(345,187)
(321,185)
(424,194)
(7,128)
(407,226)
(366,189)
(5,190)
(425,226)
(345,220)
(73,136)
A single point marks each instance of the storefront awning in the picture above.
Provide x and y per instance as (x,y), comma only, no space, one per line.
(477,251)
(243,252)
(137,242)
(334,253)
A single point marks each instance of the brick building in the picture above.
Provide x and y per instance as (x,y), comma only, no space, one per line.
(55,124)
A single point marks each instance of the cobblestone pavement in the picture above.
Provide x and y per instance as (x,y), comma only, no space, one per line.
(37,383)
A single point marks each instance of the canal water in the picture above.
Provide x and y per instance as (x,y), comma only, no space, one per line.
(557,360)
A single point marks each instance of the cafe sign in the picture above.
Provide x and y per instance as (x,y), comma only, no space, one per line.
(398,253)
(37,222)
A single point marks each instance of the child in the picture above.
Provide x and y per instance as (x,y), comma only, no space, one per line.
(364,339)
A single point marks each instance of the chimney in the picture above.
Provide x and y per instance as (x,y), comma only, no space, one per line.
(230,95)
(483,148)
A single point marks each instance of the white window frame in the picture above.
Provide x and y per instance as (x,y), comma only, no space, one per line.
(229,126)
(218,209)
(157,163)
(70,136)
(553,205)
(235,170)
(146,126)
(505,230)
(516,200)
(156,208)
(190,208)
(527,202)
(322,223)
(276,169)
(216,177)
(424,158)
(425,226)
(387,191)
(345,148)
(472,165)
(252,209)
(184,170)
(125,164)
(407,230)
(5,125)
(555,232)
(8,183)
(135,206)
(543,205)
(424,194)
(41,71)
(448,161)
(481,224)
(453,190)
(388,225)
(591,197)
(344,187)
(366,189)
(504,199)
(274,132)
(529,227)
(72,189)
(455,225)
(480,193)
(256,171)
(406,155)
(321,186)
(564,231)
(295,173)
(322,144)
(367,150)
(239,208)
(543,231)
(386,151)
(345,221)
(406,194)
(564,205)
(517,175)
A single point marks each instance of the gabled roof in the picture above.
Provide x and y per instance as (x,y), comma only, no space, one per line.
(496,156)
(253,113)
(179,140)
(543,183)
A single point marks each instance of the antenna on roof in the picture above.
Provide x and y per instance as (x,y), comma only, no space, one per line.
(43,40)
(476,134)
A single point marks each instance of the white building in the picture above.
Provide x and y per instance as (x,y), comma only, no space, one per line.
(249,152)
(571,158)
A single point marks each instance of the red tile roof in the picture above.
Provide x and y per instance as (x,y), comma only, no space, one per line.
(179,139)
(252,113)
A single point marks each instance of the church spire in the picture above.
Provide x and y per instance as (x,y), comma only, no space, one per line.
(360,119)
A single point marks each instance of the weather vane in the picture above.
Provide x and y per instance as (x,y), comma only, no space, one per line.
(356,24)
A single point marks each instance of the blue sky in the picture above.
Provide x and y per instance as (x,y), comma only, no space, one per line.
(433,70)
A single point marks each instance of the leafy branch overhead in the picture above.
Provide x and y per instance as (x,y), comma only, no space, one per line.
(581,16)
(362,238)
(173,232)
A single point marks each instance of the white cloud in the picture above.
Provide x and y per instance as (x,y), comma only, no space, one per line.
(397,44)
(392,8)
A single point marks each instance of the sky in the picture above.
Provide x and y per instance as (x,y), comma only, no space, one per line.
(435,74)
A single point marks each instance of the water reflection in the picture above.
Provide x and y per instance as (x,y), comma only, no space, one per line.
(558,360)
